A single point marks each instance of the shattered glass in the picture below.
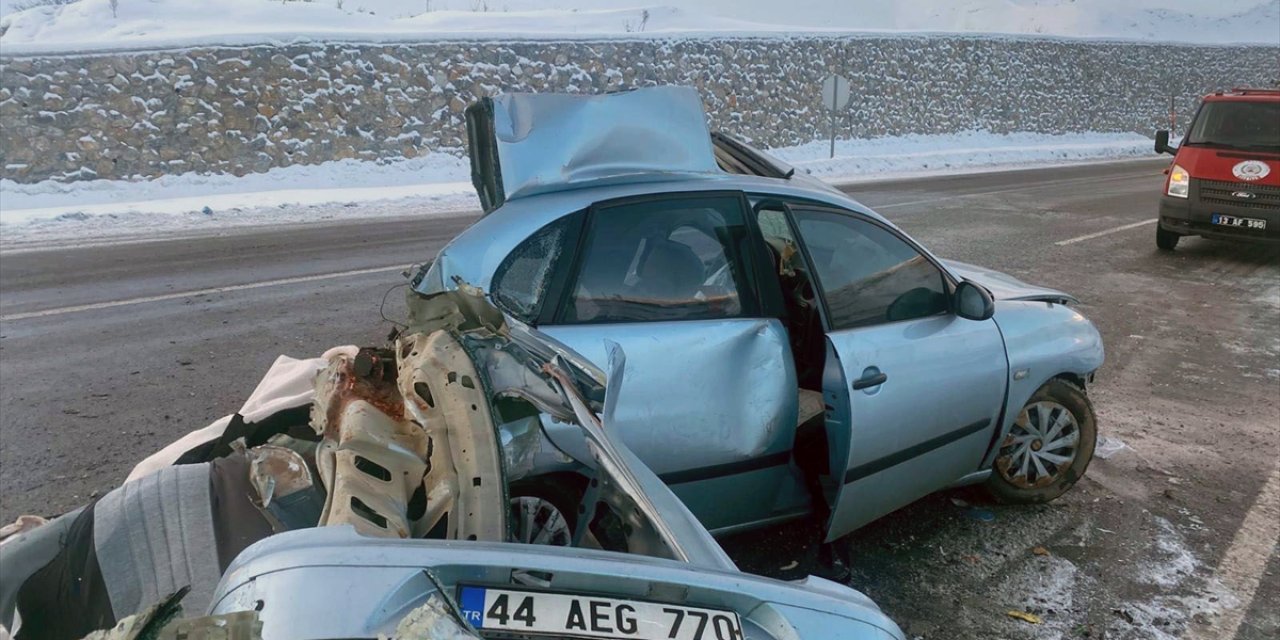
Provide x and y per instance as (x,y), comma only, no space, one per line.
(522,279)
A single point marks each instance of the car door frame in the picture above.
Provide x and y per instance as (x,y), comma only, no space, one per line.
(767,300)
(839,444)
(761,300)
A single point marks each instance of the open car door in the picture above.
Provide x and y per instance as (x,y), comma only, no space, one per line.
(913,391)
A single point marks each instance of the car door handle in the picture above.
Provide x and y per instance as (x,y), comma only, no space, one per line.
(869,380)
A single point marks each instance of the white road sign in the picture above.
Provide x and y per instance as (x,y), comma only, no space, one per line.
(835,92)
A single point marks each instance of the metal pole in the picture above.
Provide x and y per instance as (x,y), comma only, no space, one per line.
(835,95)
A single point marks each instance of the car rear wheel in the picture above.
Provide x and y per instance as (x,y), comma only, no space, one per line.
(1166,240)
(545,510)
(1048,447)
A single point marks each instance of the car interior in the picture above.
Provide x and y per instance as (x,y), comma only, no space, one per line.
(803,322)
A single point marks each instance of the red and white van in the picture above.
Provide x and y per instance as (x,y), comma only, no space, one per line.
(1225,178)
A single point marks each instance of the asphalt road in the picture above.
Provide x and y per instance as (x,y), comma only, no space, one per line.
(109,352)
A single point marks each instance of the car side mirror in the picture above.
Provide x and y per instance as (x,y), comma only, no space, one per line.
(974,302)
(1162,143)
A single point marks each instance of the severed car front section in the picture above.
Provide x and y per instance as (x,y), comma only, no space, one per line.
(376,492)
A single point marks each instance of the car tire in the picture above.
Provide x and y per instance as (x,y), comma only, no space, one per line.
(1166,240)
(562,493)
(1008,484)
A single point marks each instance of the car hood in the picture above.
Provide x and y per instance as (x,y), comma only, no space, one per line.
(1006,287)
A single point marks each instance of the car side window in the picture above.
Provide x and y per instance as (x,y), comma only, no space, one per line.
(520,282)
(867,274)
(679,258)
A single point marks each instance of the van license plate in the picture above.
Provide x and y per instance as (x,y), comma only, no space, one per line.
(561,614)
(1234,221)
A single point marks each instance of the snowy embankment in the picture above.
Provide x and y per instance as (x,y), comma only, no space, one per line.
(438,183)
(44,26)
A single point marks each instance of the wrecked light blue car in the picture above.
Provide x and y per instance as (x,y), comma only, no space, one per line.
(790,351)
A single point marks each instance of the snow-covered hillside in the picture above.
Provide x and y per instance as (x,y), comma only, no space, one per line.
(52,25)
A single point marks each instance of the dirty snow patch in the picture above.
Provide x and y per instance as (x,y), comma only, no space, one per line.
(955,153)
(1174,562)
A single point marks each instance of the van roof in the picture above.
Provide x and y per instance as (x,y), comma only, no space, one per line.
(1244,94)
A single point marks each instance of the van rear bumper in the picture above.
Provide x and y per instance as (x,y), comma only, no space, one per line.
(1187,216)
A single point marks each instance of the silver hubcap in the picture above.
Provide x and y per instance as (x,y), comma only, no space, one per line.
(536,521)
(1040,446)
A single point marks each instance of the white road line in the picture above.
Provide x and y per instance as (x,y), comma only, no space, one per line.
(1245,561)
(195,292)
(1099,234)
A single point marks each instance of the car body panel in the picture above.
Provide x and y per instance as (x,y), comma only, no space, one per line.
(738,359)
(742,430)
(297,574)
(1043,340)
(1209,163)
(523,144)
(1004,286)
(928,424)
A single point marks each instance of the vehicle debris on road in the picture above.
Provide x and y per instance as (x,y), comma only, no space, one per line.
(1024,616)
(384,470)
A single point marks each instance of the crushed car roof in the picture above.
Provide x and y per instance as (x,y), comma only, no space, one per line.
(523,144)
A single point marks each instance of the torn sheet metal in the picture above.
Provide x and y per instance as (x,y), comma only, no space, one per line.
(371,457)
(653,520)
(445,394)
(523,144)
(437,620)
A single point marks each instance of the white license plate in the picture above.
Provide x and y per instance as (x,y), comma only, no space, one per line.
(561,614)
(1234,221)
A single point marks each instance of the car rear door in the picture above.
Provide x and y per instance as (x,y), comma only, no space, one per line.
(913,391)
(710,401)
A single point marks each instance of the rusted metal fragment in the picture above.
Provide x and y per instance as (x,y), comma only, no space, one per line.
(371,458)
(445,393)
(407,434)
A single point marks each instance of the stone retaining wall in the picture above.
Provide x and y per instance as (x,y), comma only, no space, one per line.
(248,109)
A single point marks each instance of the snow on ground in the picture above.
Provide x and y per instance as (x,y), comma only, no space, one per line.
(880,158)
(439,182)
(74,25)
